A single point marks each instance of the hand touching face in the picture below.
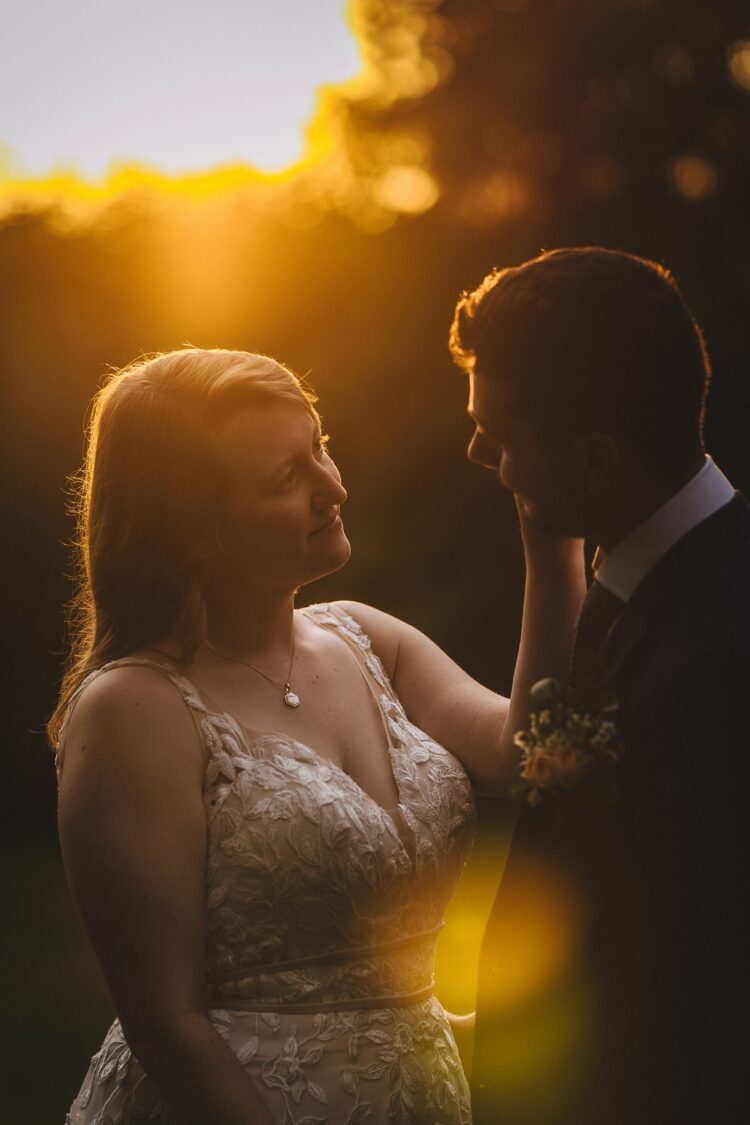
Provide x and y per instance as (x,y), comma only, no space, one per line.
(525,457)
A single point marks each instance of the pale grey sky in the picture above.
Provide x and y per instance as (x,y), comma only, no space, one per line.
(179,84)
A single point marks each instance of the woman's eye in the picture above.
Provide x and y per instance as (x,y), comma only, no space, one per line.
(288,481)
(320,447)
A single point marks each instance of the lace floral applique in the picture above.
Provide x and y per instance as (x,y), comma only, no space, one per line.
(119,1087)
(312,899)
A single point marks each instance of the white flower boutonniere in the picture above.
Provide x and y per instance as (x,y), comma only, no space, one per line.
(563,742)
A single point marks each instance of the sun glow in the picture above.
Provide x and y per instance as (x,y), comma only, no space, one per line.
(167,106)
(100,99)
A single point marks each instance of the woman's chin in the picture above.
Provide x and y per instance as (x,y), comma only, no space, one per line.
(344,553)
(336,558)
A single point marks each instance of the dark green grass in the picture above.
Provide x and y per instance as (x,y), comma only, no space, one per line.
(56,1007)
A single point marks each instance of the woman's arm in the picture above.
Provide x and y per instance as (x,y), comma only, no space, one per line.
(554,592)
(474,723)
(133,836)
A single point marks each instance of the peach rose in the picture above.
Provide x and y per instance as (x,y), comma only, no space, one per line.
(568,766)
(539,769)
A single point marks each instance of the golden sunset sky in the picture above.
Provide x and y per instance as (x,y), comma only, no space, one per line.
(178,86)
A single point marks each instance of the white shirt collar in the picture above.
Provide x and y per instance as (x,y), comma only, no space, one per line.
(622,569)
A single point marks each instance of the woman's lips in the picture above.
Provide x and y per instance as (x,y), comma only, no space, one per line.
(333,522)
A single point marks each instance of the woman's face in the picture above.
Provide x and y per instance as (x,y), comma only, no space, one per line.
(279,517)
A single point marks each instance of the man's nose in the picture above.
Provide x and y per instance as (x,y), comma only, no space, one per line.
(482,453)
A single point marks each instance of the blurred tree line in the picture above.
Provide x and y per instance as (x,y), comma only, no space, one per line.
(481,132)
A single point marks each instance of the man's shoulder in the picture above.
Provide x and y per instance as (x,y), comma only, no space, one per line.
(711,608)
(702,595)
(698,620)
(707,623)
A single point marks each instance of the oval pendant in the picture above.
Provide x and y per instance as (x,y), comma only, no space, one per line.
(291,698)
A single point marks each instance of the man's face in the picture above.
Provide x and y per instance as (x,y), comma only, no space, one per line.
(525,457)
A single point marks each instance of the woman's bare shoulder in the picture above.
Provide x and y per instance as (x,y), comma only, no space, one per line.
(129,713)
(122,687)
(385,631)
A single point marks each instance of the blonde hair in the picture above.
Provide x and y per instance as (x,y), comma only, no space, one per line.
(145,501)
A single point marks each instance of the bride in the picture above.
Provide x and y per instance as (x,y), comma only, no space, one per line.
(264,810)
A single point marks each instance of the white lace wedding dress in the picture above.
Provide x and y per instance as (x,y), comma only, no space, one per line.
(321,923)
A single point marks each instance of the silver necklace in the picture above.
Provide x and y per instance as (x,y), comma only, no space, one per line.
(290,697)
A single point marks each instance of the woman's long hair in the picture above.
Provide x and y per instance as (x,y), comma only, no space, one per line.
(145,502)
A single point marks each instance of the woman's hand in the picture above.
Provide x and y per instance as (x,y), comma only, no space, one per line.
(463,1032)
(547,551)
(555,589)
(473,722)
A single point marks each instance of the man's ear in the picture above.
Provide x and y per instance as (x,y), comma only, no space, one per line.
(596,461)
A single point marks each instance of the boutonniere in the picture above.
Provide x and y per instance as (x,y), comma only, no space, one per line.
(563,742)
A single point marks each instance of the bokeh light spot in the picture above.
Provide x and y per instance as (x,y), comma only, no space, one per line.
(738,61)
(497,195)
(601,177)
(694,177)
(674,64)
(407,188)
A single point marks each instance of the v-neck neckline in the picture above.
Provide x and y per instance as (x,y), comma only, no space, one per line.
(322,758)
(257,736)
(250,735)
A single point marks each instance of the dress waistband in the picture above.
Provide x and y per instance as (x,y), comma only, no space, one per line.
(348,954)
(380,992)
(355,1004)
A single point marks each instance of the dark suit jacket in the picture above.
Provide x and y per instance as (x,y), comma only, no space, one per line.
(635,1009)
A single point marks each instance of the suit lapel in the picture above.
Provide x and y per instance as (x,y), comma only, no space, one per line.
(701,546)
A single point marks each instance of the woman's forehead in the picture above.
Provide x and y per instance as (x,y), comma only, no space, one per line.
(264,431)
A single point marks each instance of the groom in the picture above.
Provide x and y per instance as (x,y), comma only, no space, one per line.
(627,1001)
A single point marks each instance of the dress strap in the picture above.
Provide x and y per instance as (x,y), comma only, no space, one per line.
(343,623)
(183,685)
(360,645)
(385,699)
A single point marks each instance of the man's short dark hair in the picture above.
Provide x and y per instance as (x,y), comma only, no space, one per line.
(592,340)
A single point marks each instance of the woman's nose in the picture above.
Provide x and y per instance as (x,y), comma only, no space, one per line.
(330,490)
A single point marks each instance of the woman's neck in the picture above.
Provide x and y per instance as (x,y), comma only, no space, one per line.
(247,624)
